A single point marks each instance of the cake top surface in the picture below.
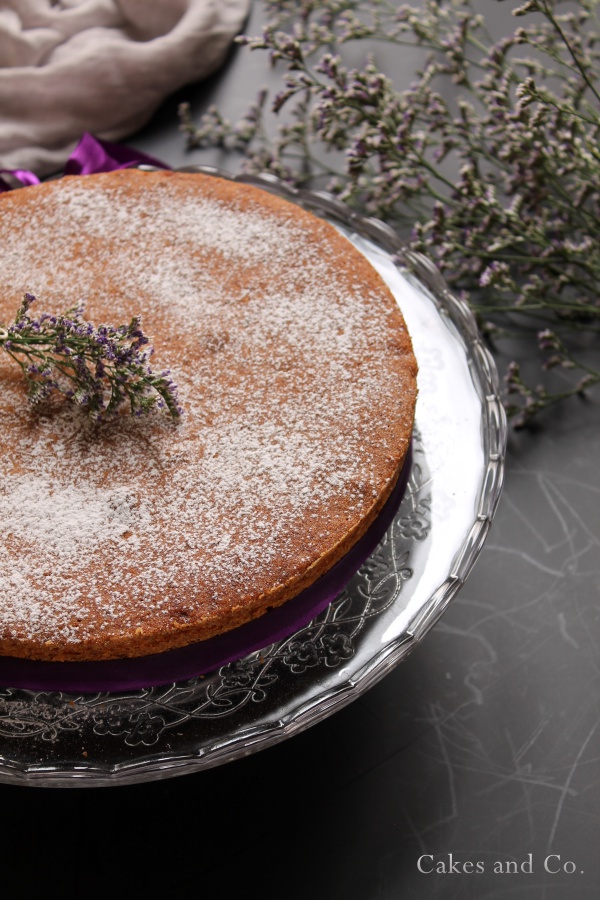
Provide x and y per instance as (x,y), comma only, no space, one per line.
(297,381)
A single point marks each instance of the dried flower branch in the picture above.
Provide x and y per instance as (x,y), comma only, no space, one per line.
(99,368)
(501,186)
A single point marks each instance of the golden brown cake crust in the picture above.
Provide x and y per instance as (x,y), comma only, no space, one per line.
(298,381)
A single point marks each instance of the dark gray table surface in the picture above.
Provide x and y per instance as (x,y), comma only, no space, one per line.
(472,770)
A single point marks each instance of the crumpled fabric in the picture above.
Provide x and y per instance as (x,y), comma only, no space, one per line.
(104,66)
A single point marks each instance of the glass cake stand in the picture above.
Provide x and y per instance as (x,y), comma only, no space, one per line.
(61,739)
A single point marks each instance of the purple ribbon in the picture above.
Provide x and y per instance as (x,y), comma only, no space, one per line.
(16,175)
(89,156)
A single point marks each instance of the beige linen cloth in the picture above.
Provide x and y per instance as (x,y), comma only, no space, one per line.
(104,66)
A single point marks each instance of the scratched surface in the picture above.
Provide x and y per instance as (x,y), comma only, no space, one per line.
(480,751)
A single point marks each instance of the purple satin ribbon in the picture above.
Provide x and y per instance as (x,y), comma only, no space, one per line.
(89,156)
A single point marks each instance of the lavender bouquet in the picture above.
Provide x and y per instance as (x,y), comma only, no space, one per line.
(100,369)
(500,184)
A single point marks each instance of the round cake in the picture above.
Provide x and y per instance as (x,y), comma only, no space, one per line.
(297,380)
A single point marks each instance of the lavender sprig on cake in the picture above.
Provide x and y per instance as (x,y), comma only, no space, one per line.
(101,368)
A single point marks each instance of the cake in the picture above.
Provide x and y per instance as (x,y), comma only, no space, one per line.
(297,381)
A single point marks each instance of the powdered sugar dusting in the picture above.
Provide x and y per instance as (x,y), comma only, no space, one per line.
(288,375)
(70,520)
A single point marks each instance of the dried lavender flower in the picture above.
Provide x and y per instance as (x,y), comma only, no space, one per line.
(99,368)
(501,186)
